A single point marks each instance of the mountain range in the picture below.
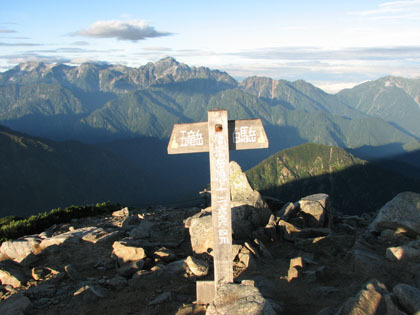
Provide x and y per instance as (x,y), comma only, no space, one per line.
(127,114)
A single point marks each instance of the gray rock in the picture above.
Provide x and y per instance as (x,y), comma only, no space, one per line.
(12,273)
(316,210)
(201,234)
(20,249)
(408,297)
(118,282)
(72,236)
(403,211)
(128,269)
(287,211)
(43,290)
(121,213)
(163,297)
(125,252)
(176,266)
(143,230)
(234,298)
(247,258)
(165,254)
(72,273)
(369,301)
(198,267)
(288,230)
(406,253)
(17,304)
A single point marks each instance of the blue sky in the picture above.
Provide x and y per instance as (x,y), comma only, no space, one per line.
(332,44)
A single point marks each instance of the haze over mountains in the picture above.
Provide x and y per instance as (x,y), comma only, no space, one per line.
(126,115)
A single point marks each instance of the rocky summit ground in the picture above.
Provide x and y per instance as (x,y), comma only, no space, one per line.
(297,258)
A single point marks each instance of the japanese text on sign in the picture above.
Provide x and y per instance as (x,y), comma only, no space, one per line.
(220,160)
(244,134)
(191,138)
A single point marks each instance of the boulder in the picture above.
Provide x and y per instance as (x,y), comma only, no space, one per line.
(256,209)
(198,267)
(73,236)
(201,234)
(20,249)
(165,254)
(232,298)
(72,273)
(125,252)
(128,269)
(315,210)
(121,213)
(17,304)
(403,211)
(406,253)
(369,301)
(408,297)
(12,273)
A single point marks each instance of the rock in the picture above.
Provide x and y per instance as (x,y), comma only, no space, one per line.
(288,211)
(408,297)
(142,231)
(295,268)
(128,269)
(234,298)
(176,266)
(121,213)
(316,210)
(392,305)
(12,273)
(246,258)
(118,282)
(403,211)
(198,267)
(72,273)
(369,301)
(127,253)
(163,297)
(406,253)
(100,236)
(90,293)
(242,229)
(39,273)
(43,290)
(264,251)
(20,249)
(240,189)
(165,254)
(235,250)
(296,262)
(288,230)
(17,304)
(271,229)
(201,234)
(71,236)
(243,194)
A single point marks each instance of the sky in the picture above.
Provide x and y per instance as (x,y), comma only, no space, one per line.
(331,44)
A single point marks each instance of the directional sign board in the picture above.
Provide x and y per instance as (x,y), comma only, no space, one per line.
(194,137)
(217,136)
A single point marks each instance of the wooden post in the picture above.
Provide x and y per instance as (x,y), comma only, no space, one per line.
(220,196)
(217,136)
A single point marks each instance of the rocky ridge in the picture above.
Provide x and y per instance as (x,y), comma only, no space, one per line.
(289,258)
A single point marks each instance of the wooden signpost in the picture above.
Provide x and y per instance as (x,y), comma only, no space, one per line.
(217,136)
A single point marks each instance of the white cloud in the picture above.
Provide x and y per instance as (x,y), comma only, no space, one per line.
(6,31)
(401,9)
(19,44)
(132,30)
